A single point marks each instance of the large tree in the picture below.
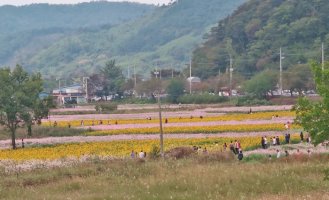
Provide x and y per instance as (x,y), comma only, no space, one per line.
(298,78)
(19,93)
(113,80)
(261,84)
(175,89)
(314,116)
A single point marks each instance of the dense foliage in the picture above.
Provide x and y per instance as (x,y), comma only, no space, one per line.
(19,99)
(253,35)
(314,117)
(27,30)
(167,35)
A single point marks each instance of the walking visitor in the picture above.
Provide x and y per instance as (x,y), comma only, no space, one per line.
(240,155)
(273,141)
(263,143)
(278,153)
(277,139)
(132,154)
(236,148)
(224,146)
(301,135)
(232,146)
(142,154)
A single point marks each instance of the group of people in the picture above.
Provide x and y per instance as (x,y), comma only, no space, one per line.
(141,154)
(200,150)
(286,153)
(308,138)
(235,148)
(100,122)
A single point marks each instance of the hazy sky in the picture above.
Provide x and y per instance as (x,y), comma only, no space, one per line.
(25,2)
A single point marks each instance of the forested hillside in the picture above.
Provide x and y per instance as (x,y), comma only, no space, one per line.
(164,37)
(44,16)
(26,30)
(254,34)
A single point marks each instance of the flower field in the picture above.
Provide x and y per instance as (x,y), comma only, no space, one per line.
(119,148)
(233,124)
(227,117)
(197,129)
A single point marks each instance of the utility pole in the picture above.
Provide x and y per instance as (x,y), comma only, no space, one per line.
(85,86)
(322,56)
(161,129)
(128,72)
(172,71)
(135,81)
(231,74)
(218,80)
(60,91)
(281,71)
(190,75)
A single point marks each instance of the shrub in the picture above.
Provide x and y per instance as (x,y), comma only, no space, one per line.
(105,107)
(251,101)
(136,100)
(201,99)
(155,151)
(180,152)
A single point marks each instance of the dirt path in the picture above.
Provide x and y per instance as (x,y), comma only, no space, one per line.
(183,106)
(210,111)
(303,148)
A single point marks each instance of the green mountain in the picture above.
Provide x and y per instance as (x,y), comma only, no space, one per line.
(254,34)
(27,30)
(164,37)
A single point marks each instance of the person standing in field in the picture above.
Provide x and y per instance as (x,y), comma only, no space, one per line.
(232,147)
(224,146)
(286,138)
(273,141)
(141,154)
(301,135)
(240,155)
(132,154)
(236,148)
(277,140)
(239,145)
(278,153)
(263,143)
(81,123)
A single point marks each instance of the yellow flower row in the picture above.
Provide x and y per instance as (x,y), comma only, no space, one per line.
(117,148)
(228,117)
(197,129)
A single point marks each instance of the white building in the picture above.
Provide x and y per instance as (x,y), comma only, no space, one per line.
(74,94)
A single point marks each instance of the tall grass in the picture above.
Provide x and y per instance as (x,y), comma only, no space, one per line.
(41,131)
(191,178)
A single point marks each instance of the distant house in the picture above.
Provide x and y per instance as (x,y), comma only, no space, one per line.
(74,94)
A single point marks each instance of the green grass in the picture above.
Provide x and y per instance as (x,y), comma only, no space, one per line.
(191,178)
